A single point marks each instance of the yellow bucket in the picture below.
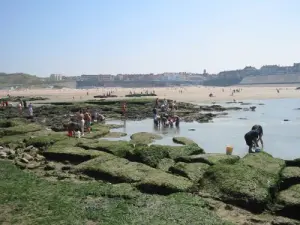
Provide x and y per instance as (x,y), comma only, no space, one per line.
(229,150)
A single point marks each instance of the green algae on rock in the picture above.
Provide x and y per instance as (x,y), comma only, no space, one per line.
(183,141)
(290,176)
(45,140)
(118,148)
(115,135)
(192,171)
(118,170)
(20,129)
(144,138)
(209,158)
(165,164)
(288,202)
(261,159)
(240,185)
(72,154)
(153,154)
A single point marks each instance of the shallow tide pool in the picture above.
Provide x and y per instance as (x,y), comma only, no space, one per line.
(281,138)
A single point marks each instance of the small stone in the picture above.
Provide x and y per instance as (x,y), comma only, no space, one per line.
(24,160)
(50,166)
(3,155)
(39,157)
(33,165)
(1,147)
(228,207)
(20,164)
(66,167)
(27,156)
(27,149)
(11,152)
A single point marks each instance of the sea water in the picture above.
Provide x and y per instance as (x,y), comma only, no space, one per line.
(281,138)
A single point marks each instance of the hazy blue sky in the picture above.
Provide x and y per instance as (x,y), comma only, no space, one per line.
(141,36)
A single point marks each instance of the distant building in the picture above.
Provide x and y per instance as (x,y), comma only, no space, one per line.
(56,77)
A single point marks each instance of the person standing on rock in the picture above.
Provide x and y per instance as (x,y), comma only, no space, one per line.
(82,122)
(20,108)
(260,132)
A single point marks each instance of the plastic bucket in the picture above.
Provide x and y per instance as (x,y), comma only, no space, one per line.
(229,150)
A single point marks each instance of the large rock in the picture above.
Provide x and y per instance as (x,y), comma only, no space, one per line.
(192,171)
(144,138)
(249,183)
(148,179)
(290,176)
(71,154)
(264,162)
(45,141)
(183,141)
(289,202)
(97,133)
(210,159)
(20,129)
(153,154)
(295,162)
(118,148)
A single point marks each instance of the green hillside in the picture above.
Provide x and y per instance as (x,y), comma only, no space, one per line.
(19,79)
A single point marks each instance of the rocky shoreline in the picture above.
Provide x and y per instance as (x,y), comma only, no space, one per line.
(258,183)
(255,189)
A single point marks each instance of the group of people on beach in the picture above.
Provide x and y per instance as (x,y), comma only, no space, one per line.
(167,117)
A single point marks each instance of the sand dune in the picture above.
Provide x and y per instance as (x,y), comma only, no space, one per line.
(189,94)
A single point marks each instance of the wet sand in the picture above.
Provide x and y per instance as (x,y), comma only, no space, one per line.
(194,94)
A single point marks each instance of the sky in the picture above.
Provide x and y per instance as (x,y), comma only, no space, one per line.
(74,37)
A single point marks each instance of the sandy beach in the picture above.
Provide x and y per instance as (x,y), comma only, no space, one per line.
(195,94)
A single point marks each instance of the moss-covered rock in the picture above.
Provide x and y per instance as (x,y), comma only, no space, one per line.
(192,171)
(115,169)
(290,176)
(153,154)
(115,135)
(264,162)
(118,148)
(295,162)
(14,139)
(164,183)
(144,138)
(210,159)
(97,133)
(46,140)
(20,129)
(183,141)
(289,202)
(165,164)
(71,154)
(118,170)
(240,184)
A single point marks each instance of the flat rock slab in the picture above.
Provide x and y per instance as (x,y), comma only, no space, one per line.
(72,154)
(210,159)
(192,171)
(148,179)
(20,129)
(115,135)
(144,138)
(289,202)
(118,148)
(290,176)
(45,140)
(183,141)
